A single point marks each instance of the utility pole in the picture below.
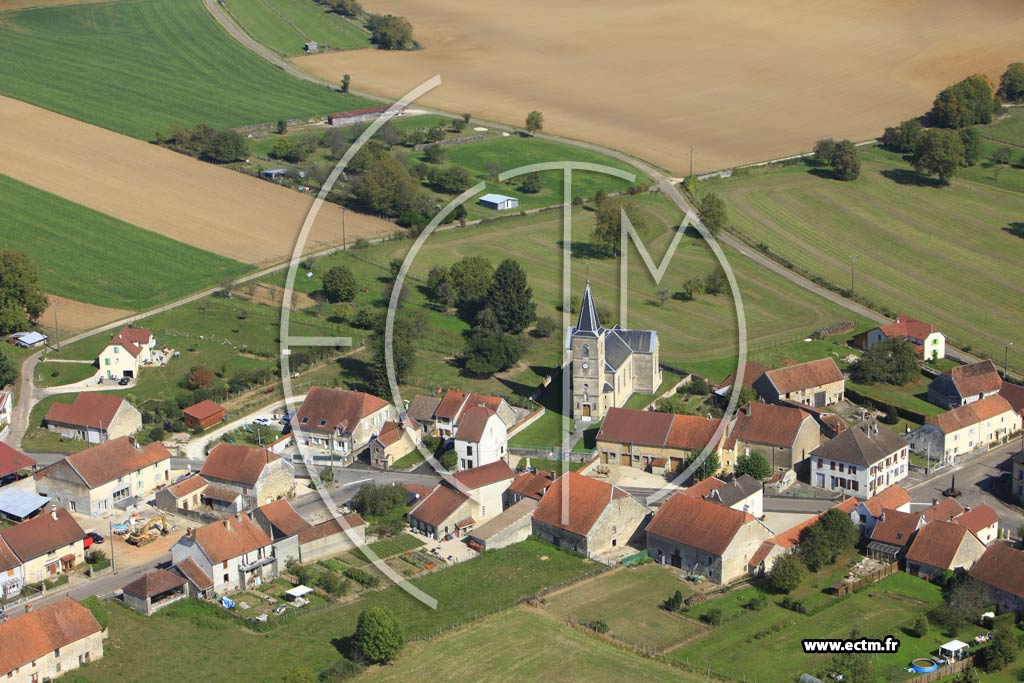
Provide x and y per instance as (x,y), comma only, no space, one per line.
(56,327)
(110,535)
(1006,361)
(344,238)
(853,273)
(691,161)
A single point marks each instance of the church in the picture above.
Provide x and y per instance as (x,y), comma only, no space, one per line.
(607,365)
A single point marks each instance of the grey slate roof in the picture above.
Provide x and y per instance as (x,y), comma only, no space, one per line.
(641,341)
(588,324)
(862,445)
(616,351)
(736,490)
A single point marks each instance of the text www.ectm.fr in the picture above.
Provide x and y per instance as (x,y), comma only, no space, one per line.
(832,645)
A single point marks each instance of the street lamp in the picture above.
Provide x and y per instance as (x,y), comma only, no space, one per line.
(1006,360)
(853,273)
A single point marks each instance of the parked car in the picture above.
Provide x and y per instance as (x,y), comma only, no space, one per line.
(87,542)
(261,421)
(96,538)
(124,381)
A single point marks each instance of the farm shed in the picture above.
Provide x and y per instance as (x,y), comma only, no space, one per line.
(203,415)
(273,173)
(18,506)
(154,590)
(311,47)
(513,525)
(28,340)
(499,202)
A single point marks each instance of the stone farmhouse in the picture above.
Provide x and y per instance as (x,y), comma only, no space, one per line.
(965,384)
(892,535)
(926,339)
(49,641)
(941,546)
(231,553)
(296,539)
(1002,569)
(703,538)
(455,508)
(530,485)
(155,590)
(339,422)
(94,418)
(608,365)
(649,440)
(127,352)
(982,521)
(786,541)
(783,435)
(817,383)
(743,493)
(976,426)
(588,516)
(113,474)
(442,416)
(868,512)
(861,461)
(46,546)
(259,475)
(396,439)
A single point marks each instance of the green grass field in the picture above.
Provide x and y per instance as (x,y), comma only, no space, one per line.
(57,374)
(943,255)
(139,648)
(388,547)
(629,601)
(71,245)
(286,25)
(138,67)
(533,647)
(39,440)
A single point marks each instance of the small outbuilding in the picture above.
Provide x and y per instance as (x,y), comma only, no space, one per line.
(954,649)
(203,415)
(17,505)
(273,173)
(154,590)
(28,340)
(311,47)
(499,202)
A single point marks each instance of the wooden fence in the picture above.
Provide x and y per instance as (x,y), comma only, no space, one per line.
(941,672)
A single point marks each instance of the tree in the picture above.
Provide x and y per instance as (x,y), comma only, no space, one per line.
(663,295)
(340,284)
(920,626)
(607,236)
(1001,155)
(7,370)
(1002,651)
(708,468)
(967,103)
(378,637)
(692,288)
(747,395)
(377,500)
(471,279)
(892,361)
(544,327)
(530,183)
(466,116)
(449,460)
(844,161)
(1011,85)
(21,298)
(825,540)
(282,126)
(199,377)
(971,138)
(450,179)
(787,573)
(674,602)
(226,146)
(386,187)
(389,32)
(966,598)
(458,125)
(511,297)
(395,267)
(434,154)
(968,675)
(713,213)
(823,150)
(489,349)
(755,464)
(715,282)
(407,330)
(903,138)
(300,675)
(346,82)
(439,287)
(534,121)
(939,152)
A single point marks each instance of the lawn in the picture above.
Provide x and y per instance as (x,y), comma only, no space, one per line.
(286,25)
(389,547)
(71,246)
(139,649)
(138,67)
(629,601)
(532,648)
(57,374)
(40,440)
(943,255)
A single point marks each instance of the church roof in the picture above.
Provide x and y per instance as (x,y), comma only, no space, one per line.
(588,323)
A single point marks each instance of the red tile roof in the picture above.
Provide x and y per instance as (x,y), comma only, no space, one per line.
(90,409)
(764,423)
(237,464)
(478,477)
(194,573)
(971,414)
(472,423)
(698,523)
(663,430)
(283,516)
(892,497)
(586,500)
(441,504)
(132,339)
(847,506)
(691,432)
(814,373)
(325,409)
(945,510)
(751,371)
(42,534)
(12,461)
(186,486)
(937,543)
(418,489)
(704,487)
(8,560)
(908,327)
(391,432)
(152,584)
(27,637)
(531,485)
(204,410)
(976,378)
(330,528)
(454,403)
(1001,567)
(897,528)
(1014,395)
(979,518)
(229,538)
(105,462)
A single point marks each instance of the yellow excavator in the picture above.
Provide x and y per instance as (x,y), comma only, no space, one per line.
(148,532)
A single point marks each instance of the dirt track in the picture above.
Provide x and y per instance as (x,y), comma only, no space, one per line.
(75,316)
(742,81)
(214,208)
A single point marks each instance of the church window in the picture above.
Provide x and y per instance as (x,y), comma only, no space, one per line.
(586,350)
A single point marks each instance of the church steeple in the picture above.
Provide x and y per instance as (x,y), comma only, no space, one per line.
(588,322)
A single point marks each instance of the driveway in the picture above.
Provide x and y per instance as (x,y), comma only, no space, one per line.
(195,449)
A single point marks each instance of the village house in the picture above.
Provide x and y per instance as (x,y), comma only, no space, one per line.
(259,475)
(647,439)
(203,415)
(964,385)
(783,435)
(587,516)
(976,426)
(868,512)
(16,469)
(703,538)
(47,545)
(456,508)
(155,590)
(861,461)
(817,383)
(608,365)
(397,438)
(751,371)
(945,510)
(113,474)
(941,546)
(442,417)
(1014,395)
(1002,569)
(786,542)
(235,553)
(49,641)
(927,340)
(481,438)
(893,534)
(127,352)
(94,418)
(12,574)
(743,493)
(184,494)
(982,521)
(296,539)
(340,422)
(530,485)
(200,584)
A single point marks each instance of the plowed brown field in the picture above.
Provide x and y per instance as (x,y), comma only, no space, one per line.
(75,316)
(213,208)
(742,81)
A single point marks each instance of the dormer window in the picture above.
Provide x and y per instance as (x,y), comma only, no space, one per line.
(323,422)
(305,420)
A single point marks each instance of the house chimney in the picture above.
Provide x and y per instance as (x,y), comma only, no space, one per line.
(53,512)
(189,532)
(967,508)
(881,517)
(227,524)
(746,409)
(935,501)
(28,607)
